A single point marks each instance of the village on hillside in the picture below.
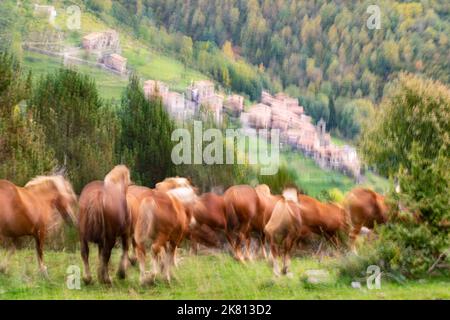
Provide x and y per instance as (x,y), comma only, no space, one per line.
(280,111)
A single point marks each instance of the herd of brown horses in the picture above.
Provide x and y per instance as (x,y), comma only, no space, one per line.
(173,211)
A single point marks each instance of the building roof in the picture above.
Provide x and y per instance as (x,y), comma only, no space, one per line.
(118,57)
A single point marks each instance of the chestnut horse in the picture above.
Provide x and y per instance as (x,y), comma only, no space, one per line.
(284,229)
(103,217)
(28,211)
(210,215)
(242,207)
(162,219)
(327,219)
(366,208)
(134,197)
(267,202)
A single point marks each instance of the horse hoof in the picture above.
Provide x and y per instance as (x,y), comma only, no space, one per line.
(44,273)
(121,274)
(133,261)
(106,281)
(87,280)
(147,281)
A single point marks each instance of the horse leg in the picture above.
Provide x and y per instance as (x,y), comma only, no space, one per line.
(289,243)
(237,247)
(230,241)
(85,256)
(274,253)
(248,248)
(105,256)
(353,235)
(262,242)
(140,254)
(175,260)
(39,239)
(133,257)
(100,262)
(169,259)
(157,248)
(121,273)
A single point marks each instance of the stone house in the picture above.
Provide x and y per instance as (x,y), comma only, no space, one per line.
(116,62)
(154,87)
(102,41)
(234,104)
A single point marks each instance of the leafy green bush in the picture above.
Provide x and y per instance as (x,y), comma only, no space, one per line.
(410,139)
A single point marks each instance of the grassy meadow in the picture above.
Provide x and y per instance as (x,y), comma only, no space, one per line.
(205,276)
(142,58)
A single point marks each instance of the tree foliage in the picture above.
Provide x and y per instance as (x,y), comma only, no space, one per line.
(23,153)
(78,125)
(145,138)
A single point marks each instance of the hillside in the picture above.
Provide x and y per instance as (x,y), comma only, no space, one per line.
(147,62)
(320,51)
(150,61)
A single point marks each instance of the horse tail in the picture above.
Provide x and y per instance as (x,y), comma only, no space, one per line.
(145,224)
(95,221)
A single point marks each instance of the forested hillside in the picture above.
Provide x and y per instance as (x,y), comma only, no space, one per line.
(320,51)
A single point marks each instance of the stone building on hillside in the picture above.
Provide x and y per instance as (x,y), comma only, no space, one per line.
(234,105)
(202,93)
(297,130)
(105,42)
(116,62)
(155,88)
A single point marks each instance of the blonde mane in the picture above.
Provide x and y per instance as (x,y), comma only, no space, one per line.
(118,175)
(263,189)
(178,187)
(59,182)
(290,194)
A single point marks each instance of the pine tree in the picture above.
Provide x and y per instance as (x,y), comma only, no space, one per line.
(23,153)
(145,140)
(78,125)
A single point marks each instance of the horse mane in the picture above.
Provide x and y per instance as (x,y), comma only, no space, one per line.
(174,182)
(58,181)
(263,189)
(118,175)
(290,194)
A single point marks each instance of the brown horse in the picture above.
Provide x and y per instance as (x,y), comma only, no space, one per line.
(103,217)
(162,219)
(210,215)
(327,219)
(242,207)
(283,230)
(134,197)
(28,211)
(366,208)
(267,202)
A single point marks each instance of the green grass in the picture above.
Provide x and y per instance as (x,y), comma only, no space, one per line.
(213,276)
(152,65)
(313,179)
